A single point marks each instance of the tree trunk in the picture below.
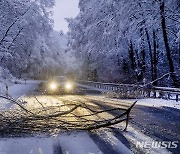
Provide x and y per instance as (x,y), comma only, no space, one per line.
(142,51)
(155,61)
(131,55)
(150,53)
(166,43)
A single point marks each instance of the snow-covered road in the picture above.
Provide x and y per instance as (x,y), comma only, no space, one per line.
(149,123)
(18,90)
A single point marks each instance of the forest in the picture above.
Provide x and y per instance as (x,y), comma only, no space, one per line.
(122,41)
(119,41)
(29,47)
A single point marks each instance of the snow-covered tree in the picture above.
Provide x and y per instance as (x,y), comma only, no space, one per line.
(28,45)
(125,41)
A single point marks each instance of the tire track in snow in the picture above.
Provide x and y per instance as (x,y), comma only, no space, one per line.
(106,143)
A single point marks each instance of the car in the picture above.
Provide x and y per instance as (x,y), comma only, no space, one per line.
(60,85)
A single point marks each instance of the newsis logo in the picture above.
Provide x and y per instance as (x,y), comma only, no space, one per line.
(157,144)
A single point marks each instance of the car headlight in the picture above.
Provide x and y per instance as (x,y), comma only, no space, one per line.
(53,86)
(68,86)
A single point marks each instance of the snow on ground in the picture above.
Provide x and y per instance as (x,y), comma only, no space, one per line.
(159,103)
(145,102)
(17,90)
(31,145)
(34,103)
(20,88)
(153,102)
(135,136)
(78,143)
(66,143)
(114,143)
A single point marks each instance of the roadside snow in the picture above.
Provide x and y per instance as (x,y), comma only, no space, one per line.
(17,90)
(144,102)
(150,102)
(153,102)
(159,103)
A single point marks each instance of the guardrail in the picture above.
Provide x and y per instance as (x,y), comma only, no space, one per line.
(136,91)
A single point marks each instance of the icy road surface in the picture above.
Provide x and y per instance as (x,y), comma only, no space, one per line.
(149,123)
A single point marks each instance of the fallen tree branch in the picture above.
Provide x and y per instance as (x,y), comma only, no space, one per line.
(15,102)
(60,117)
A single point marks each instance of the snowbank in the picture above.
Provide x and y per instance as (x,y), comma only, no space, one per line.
(159,103)
(20,89)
